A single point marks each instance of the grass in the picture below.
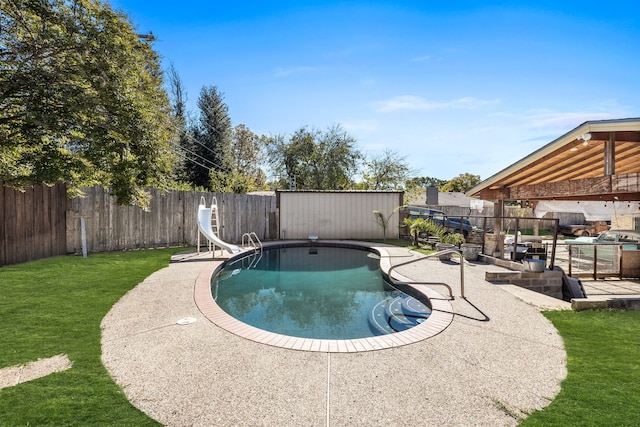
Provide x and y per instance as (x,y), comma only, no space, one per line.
(55,306)
(602,387)
(405,244)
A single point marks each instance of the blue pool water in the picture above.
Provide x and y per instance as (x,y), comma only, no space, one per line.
(315,292)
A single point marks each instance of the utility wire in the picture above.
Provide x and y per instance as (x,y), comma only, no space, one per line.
(183,156)
(214,164)
(195,154)
(212,152)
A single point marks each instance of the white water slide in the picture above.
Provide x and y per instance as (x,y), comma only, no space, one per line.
(205,215)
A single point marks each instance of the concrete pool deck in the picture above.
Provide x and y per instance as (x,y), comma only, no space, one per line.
(497,361)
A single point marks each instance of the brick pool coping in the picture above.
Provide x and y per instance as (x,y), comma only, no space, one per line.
(440,318)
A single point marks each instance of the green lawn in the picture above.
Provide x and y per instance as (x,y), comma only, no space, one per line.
(55,306)
(405,243)
(602,387)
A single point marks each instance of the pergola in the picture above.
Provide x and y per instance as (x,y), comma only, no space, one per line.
(598,160)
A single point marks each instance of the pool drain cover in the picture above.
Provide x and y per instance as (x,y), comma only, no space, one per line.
(186,321)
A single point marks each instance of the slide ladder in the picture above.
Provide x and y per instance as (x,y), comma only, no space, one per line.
(214,216)
(208,218)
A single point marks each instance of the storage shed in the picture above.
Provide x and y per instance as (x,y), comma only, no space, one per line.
(337,214)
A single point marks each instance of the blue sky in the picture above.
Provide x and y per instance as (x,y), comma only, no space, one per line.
(455,86)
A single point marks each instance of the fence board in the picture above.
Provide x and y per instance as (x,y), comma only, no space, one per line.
(41,226)
(3,227)
(170,221)
(30,223)
(8,204)
(42,222)
(19,234)
(21,226)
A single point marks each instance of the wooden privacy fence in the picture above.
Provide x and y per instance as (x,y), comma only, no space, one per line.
(32,223)
(41,222)
(171,220)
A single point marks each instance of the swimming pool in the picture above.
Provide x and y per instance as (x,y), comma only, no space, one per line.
(440,317)
(322,292)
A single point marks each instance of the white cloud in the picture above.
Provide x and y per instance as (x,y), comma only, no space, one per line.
(285,72)
(417,103)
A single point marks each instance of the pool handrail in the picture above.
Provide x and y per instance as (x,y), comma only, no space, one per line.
(443,252)
(250,239)
(248,242)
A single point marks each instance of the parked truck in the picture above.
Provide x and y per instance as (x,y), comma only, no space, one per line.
(589,228)
(454,224)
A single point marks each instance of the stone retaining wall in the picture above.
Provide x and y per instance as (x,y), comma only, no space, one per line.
(548,282)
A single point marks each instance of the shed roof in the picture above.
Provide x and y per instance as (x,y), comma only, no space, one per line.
(447,199)
(598,160)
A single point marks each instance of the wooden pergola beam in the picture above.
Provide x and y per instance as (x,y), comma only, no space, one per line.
(624,187)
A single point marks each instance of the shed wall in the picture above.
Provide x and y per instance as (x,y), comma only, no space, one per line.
(337,215)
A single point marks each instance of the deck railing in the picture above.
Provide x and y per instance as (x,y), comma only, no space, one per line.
(597,260)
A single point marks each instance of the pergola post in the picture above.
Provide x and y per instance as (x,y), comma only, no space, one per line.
(610,155)
(498,225)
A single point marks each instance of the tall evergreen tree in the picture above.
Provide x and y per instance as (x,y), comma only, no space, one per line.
(213,138)
(183,141)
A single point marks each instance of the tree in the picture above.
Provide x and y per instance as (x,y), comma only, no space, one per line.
(383,220)
(386,172)
(248,154)
(183,141)
(290,160)
(212,137)
(461,183)
(81,100)
(424,182)
(314,160)
(233,182)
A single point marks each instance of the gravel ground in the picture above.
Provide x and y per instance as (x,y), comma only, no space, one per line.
(498,361)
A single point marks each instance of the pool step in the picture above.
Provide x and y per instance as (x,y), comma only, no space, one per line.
(396,314)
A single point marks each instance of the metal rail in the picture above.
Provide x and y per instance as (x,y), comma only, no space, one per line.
(600,263)
(250,239)
(444,252)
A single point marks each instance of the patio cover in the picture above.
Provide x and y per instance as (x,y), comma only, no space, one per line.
(598,160)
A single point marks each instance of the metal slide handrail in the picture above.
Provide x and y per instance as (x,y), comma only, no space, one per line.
(443,252)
